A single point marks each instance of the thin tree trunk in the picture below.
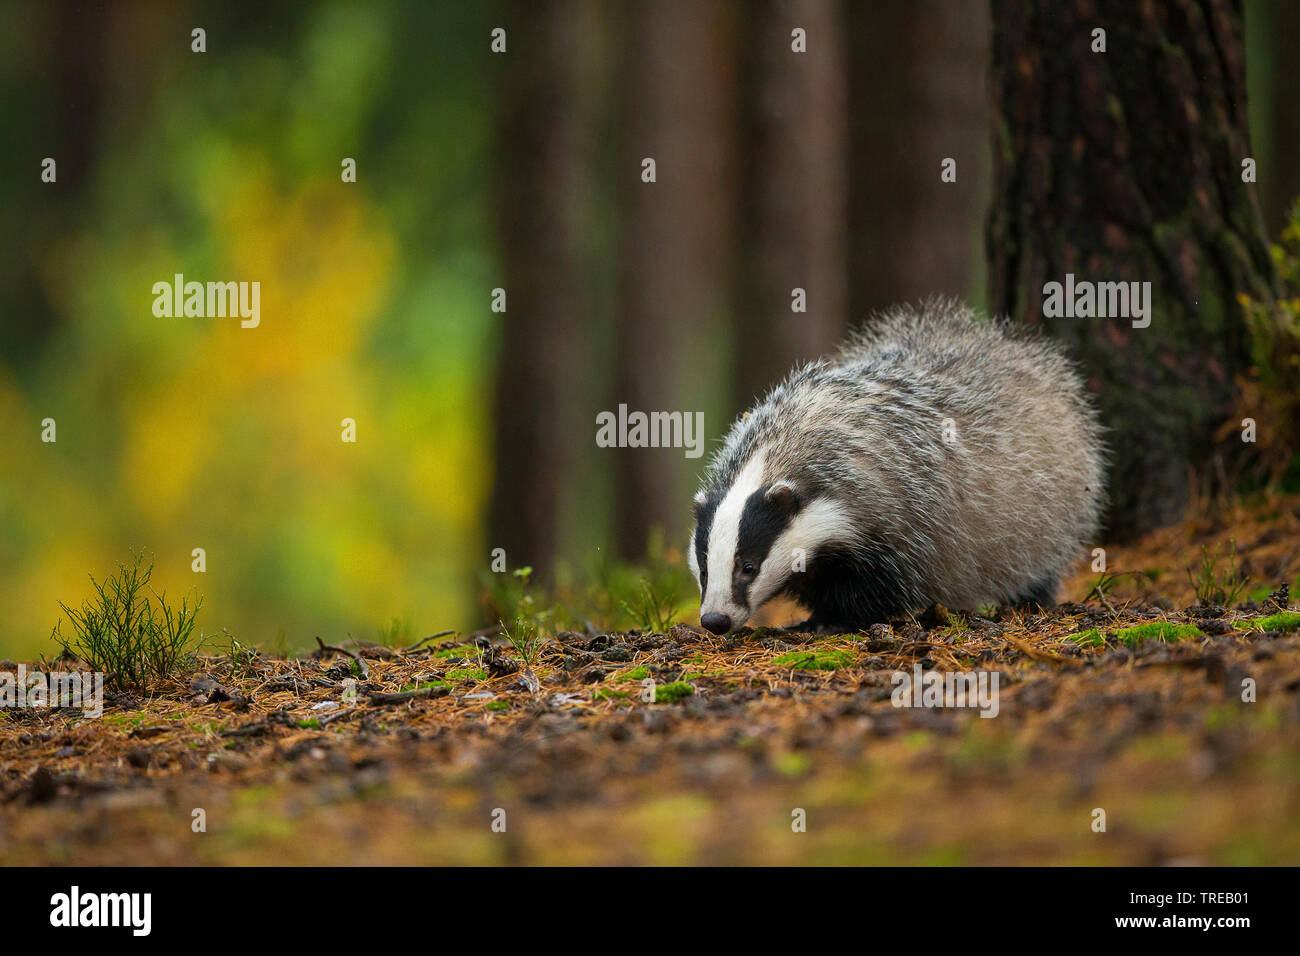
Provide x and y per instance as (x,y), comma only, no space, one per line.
(1126,166)
(794,182)
(917,96)
(1272,27)
(678,109)
(543,142)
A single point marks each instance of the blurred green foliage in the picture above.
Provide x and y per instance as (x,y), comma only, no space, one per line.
(183,433)
(1270,395)
(604,593)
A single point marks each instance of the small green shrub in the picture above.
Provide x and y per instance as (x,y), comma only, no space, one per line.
(1217,586)
(128,630)
(652,610)
(526,630)
(525,636)
(648,595)
(242,659)
(603,593)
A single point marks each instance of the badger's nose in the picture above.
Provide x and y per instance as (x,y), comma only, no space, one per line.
(717,623)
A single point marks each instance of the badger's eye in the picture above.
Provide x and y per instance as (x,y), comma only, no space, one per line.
(747,568)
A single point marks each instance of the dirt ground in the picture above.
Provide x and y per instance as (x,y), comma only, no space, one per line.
(763,747)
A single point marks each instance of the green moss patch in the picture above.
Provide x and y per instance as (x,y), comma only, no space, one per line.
(1282,621)
(818,660)
(425,685)
(1158,631)
(468,673)
(668,693)
(792,764)
(636,673)
(1090,638)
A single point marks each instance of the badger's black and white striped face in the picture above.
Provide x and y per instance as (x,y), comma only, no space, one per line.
(750,538)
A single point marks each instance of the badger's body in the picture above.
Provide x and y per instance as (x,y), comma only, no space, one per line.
(938,458)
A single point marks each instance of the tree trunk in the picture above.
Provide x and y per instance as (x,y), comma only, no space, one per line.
(917,95)
(794,181)
(1126,166)
(674,282)
(543,143)
(1274,74)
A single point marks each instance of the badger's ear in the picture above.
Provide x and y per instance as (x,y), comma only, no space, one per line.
(785,496)
(700,500)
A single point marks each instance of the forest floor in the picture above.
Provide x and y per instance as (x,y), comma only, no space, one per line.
(763,746)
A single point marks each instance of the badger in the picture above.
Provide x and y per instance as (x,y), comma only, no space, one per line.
(938,458)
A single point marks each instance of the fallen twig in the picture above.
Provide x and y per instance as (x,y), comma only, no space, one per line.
(421,693)
(253,729)
(365,671)
(1035,653)
(425,640)
(338,714)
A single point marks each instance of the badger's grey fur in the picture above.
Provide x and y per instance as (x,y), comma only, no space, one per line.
(937,458)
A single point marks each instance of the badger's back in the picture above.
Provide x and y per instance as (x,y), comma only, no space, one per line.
(966,454)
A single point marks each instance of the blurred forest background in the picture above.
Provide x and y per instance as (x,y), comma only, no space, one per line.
(522,170)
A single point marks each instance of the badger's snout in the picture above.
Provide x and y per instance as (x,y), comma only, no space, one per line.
(715,622)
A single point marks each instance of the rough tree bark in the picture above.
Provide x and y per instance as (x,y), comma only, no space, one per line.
(543,144)
(794,191)
(1126,166)
(678,108)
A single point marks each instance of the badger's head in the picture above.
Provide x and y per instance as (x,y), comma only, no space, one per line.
(750,538)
